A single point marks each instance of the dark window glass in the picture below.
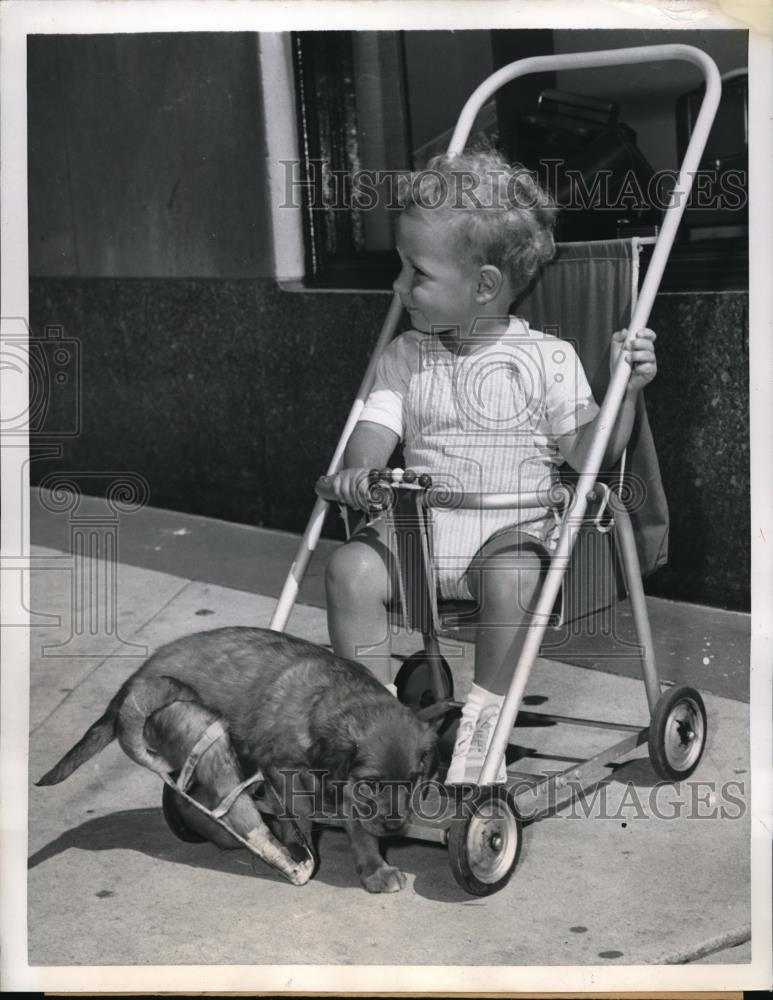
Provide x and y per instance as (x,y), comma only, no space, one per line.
(374,104)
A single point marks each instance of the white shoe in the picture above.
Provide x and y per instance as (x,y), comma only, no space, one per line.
(464,735)
(473,739)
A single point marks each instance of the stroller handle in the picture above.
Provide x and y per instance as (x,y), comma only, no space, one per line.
(440,496)
(461,500)
(692,156)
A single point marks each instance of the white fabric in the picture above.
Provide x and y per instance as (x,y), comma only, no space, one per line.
(478,696)
(482,422)
(473,738)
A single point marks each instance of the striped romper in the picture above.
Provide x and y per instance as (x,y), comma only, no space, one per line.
(485,422)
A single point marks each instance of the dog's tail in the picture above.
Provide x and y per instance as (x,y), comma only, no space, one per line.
(96,738)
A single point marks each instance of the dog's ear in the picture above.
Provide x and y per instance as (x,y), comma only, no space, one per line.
(334,751)
(435,725)
(430,757)
(430,764)
(341,759)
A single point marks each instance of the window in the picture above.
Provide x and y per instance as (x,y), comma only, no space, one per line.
(374,104)
(371,105)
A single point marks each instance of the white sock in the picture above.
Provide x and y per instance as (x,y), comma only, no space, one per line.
(480,697)
(477,699)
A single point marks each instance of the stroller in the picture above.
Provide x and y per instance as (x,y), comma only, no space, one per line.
(482,825)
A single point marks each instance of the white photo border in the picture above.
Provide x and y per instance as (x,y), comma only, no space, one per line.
(22,17)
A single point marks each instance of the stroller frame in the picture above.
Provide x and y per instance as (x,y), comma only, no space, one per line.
(407,508)
(485,844)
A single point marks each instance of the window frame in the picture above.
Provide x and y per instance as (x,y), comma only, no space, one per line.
(323,71)
(327,124)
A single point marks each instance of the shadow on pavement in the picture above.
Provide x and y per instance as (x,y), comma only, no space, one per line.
(145,831)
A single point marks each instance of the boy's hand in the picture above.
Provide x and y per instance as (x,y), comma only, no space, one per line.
(348,486)
(639,353)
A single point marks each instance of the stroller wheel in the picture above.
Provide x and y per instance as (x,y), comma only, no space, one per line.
(484,842)
(175,821)
(677,733)
(414,682)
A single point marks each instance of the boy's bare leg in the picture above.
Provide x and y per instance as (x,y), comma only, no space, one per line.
(358,583)
(504,579)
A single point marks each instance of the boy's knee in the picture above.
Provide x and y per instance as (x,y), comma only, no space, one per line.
(354,571)
(509,585)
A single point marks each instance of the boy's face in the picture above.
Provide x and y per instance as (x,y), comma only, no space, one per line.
(437,285)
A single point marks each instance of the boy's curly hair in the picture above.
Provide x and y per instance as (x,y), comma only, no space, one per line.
(501,214)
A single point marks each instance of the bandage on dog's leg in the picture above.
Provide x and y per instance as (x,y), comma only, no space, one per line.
(244,819)
(275,854)
(244,826)
(175,728)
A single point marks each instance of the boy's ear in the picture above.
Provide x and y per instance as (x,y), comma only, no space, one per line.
(490,282)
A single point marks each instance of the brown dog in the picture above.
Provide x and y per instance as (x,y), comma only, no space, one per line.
(322,729)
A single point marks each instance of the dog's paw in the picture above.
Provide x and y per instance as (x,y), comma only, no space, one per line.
(385,878)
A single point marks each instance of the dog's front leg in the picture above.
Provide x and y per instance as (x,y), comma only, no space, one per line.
(375,874)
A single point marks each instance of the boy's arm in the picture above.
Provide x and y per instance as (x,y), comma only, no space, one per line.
(640,354)
(369,447)
(574,447)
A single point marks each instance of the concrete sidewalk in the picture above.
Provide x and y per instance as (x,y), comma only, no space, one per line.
(653,875)
(705,647)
